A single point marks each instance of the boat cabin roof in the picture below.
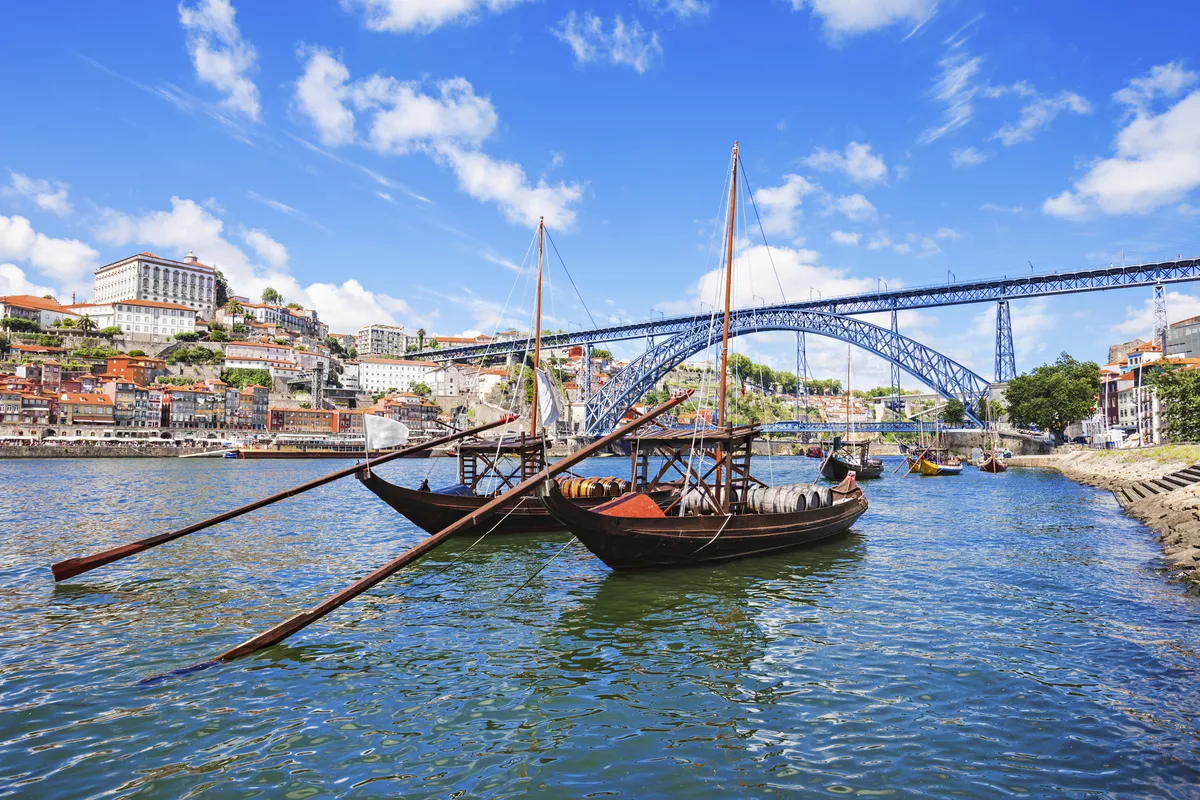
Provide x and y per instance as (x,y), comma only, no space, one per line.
(653,435)
(506,445)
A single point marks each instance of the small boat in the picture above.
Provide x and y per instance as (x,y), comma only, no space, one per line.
(933,461)
(844,460)
(231,454)
(814,451)
(723,511)
(992,461)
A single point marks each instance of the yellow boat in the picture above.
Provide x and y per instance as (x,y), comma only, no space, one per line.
(934,462)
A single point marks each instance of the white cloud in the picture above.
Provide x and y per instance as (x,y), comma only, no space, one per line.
(67,261)
(449,126)
(1032,321)
(1157,160)
(857,162)
(505,184)
(947,233)
(1164,80)
(955,89)
(966,157)
(422,16)
(780,205)
(842,237)
(321,94)
(221,57)
(879,241)
(1002,209)
(684,9)
(1139,320)
(346,306)
(851,17)
(1037,113)
(854,207)
(48,195)
(271,252)
(13,281)
(623,45)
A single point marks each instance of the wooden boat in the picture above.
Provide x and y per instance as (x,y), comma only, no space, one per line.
(992,461)
(933,461)
(485,469)
(844,460)
(814,451)
(723,512)
(626,533)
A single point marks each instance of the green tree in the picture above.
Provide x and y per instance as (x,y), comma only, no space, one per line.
(233,308)
(953,412)
(422,389)
(601,353)
(271,296)
(111,330)
(1178,393)
(294,306)
(136,353)
(19,324)
(86,324)
(352,353)
(1054,395)
(67,322)
(187,336)
(420,338)
(218,336)
(242,377)
(221,293)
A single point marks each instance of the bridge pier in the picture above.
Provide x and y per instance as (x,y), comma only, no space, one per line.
(1006,361)
(587,386)
(895,371)
(1160,317)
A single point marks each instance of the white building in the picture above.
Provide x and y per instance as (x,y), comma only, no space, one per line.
(273,356)
(381,374)
(299,321)
(383,340)
(146,276)
(39,310)
(141,319)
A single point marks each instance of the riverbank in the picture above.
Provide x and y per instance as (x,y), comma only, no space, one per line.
(102,450)
(1174,515)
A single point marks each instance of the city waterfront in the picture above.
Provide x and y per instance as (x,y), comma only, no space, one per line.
(972,636)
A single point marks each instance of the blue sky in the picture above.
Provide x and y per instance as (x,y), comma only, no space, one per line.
(385,160)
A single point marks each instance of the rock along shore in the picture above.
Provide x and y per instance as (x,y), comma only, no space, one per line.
(1175,515)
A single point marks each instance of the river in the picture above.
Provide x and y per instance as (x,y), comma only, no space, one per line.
(974,636)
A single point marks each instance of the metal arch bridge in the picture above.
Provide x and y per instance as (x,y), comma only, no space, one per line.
(953,293)
(948,377)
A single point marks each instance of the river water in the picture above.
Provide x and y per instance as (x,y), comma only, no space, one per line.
(975,636)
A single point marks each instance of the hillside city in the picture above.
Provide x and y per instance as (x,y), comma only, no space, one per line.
(164,351)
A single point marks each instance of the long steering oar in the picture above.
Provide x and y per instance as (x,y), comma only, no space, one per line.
(77,566)
(305,618)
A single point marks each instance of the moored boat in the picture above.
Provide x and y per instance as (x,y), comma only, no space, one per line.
(846,458)
(933,461)
(992,461)
(723,511)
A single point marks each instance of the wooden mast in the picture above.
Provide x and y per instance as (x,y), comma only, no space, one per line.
(722,495)
(847,393)
(537,335)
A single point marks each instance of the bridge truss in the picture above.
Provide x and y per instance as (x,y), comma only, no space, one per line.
(948,377)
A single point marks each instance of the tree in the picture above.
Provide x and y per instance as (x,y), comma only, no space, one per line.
(19,324)
(1178,392)
(242,377)
(352,353)
(420,338)
(136,353)
(1054,395)
(86,324)
(187,336)
(233,308)
(601,353)
(218,336)
(271,296)
(953,412)
(67,322)
(295,306)
(111,330)
(422,389)
(221,293)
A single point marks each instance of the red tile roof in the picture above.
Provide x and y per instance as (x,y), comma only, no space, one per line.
(33,302)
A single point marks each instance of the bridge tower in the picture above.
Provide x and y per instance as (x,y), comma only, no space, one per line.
(895,371)
(587,385)
(1006,361)
(801,375)
(1160,317)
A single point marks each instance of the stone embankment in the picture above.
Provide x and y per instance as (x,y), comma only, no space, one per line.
(1174,515)
(101,451)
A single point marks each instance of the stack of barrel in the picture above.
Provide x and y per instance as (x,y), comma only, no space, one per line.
(580,488)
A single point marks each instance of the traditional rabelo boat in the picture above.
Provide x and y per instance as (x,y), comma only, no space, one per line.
(489,467)
(933,461)
(724,511)
(992,460)
(851,457)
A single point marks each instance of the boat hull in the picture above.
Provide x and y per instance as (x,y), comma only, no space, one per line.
(434,512)
(627,543)
(926,467)
(993,465)
(836,470)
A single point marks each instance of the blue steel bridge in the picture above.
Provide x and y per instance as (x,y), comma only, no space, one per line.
(835,317)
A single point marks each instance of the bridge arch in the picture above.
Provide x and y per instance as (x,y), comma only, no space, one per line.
(948,377)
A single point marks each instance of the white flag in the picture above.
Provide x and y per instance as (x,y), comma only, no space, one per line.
(383,432)
(548,408)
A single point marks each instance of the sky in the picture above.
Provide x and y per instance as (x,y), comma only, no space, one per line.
(387,160)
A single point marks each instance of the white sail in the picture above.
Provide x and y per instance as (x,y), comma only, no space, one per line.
(548,408)
(382,432)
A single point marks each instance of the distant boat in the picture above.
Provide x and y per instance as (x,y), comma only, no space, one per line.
(933,461)
(843,460)
(992,461)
